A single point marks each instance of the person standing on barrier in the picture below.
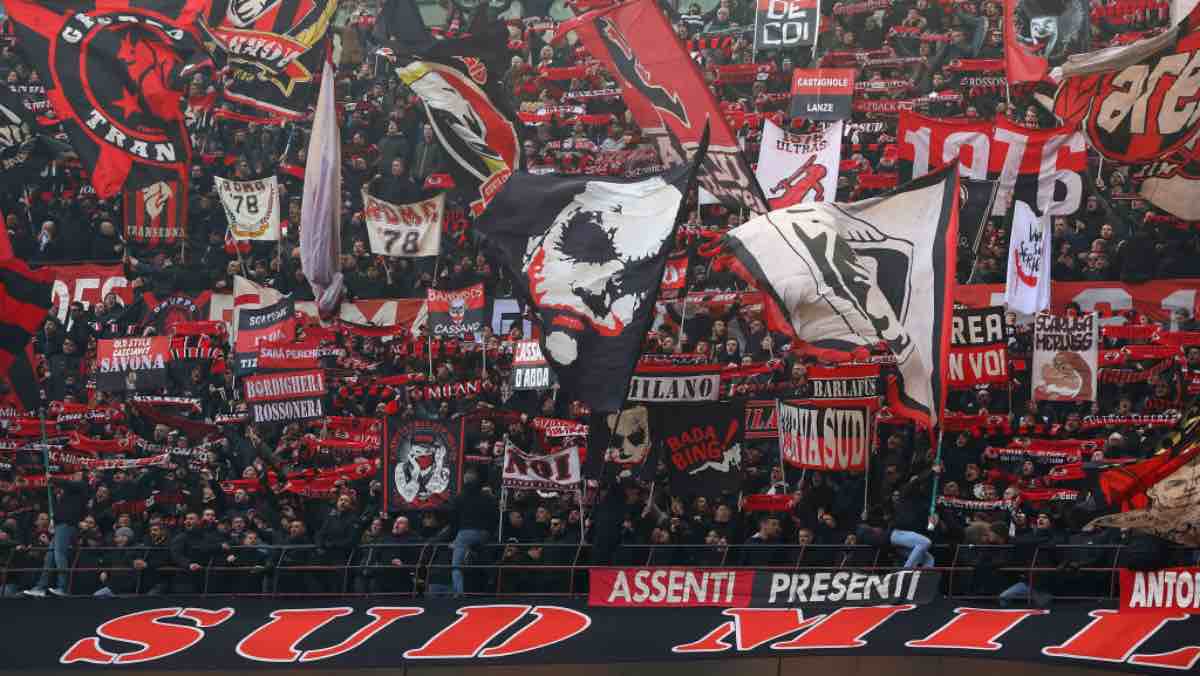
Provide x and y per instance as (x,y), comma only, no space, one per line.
(70,503)
(473,514)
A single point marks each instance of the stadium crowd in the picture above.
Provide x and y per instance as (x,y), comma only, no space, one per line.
(225,515)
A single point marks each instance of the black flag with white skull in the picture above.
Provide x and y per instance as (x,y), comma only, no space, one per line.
(588,254)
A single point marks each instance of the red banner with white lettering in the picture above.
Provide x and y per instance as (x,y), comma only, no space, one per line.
(823,437)
(978,348)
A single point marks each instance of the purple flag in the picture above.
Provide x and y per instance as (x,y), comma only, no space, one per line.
(320,212)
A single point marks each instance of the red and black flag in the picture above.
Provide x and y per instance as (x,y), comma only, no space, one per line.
(273,52)
(1158,495)
(116,72)
(24,302)
(155,215)
(458,82)
(667,95)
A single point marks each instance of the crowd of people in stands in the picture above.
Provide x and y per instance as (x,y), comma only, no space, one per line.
(221,516)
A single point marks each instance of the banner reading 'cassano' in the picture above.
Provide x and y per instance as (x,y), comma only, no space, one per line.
(458,313)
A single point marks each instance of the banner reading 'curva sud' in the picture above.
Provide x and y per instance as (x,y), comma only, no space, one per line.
(1066,352)
(826,438)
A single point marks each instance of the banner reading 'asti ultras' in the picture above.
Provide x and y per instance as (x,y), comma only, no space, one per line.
(1066,352)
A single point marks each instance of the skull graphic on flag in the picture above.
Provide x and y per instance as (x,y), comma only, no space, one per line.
(422,466)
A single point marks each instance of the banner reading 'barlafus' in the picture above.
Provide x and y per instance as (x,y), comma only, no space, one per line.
(251,207)
(404,230)
(421,465)
(667,96)
(588,256)
(783,24)
(130,364)
(529,368)
(286,396)
(979,349)
(703,448)
(844,276)
(796,168)
(825,438)
(1066,352)
(822,93)
(555,472)
(273,51)
(119,70)
(457,313)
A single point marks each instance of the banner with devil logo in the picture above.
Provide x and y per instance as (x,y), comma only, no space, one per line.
(422,465)
(795,168)
(155,215)
(116,72)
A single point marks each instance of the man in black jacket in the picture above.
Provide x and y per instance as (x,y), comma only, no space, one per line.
(474,514)
(191,551)
(338,535)
(401,558)
(70,502)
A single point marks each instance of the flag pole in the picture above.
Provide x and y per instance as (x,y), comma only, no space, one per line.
(429,322)
(46,465)
(867,465)
(937,460)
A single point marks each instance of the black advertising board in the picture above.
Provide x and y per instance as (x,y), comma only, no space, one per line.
(248,634)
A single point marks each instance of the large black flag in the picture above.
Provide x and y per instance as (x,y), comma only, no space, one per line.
(273,51)
(703,447)
(588,255)
(400,22)
(116,73)
(23,152)
(458,82)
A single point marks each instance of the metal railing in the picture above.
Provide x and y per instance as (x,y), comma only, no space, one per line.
(1075,572)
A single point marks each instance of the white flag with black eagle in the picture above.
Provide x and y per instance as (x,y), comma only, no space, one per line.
(843,276)
(588,255)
